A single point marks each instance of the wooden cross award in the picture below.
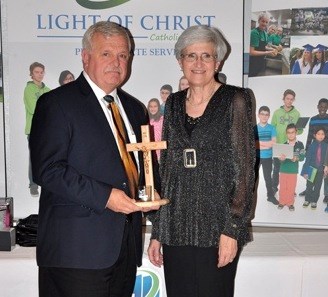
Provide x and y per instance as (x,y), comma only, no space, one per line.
(147,194)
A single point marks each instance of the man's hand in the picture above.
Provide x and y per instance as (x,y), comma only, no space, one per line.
(118,201)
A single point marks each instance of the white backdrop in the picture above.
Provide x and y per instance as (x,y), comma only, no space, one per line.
(50,32)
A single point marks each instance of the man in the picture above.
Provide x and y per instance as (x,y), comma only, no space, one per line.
(32,92)
(282,117)
(89,233)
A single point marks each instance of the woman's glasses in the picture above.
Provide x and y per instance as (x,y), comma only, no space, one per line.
(192,57)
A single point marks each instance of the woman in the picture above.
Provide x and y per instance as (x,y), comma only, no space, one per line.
(274,37)
(295,54)
(271,34)
(319,65)
(155,120)
(258,46)
(183,83)
(207,173)
(304,64)
(65,77)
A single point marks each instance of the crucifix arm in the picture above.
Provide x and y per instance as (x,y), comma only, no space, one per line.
(146,146)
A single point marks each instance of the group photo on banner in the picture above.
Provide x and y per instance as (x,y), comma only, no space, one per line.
(288,67)
(289,41)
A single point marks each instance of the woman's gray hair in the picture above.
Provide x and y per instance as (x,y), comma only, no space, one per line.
(203,33)
(272,26)
(107,29)
(263,15)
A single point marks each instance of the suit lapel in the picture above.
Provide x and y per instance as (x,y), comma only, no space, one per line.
(93,107)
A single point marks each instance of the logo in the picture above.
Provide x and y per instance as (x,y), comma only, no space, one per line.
(100,4)
(147,284)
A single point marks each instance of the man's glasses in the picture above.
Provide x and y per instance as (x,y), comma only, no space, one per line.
(192,57)
(165,92)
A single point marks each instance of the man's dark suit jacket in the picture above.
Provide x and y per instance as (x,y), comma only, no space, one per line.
(76,161)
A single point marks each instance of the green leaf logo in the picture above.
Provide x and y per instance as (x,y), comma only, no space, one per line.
(100,4)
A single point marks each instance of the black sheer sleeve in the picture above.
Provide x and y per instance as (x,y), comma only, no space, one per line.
(243,150)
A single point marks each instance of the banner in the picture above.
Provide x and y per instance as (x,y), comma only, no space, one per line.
(50,33)
(287,43)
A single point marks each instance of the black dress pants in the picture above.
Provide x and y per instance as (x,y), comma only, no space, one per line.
(115,281)
(192,272)
(275,174)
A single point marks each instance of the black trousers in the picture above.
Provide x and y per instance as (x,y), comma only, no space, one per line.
(267,170)
(275,174)
(192,272)
(115,281)
(312,192)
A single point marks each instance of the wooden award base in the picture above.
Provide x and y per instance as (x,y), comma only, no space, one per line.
(160,202)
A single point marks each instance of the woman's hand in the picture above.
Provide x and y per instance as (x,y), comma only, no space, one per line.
(154,253)
(227,250)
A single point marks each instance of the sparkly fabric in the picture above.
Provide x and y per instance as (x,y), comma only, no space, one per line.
(216,196)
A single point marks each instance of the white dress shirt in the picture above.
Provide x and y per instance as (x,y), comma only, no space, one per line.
(108,114)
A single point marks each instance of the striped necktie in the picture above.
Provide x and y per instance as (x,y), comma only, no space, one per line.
(129,165)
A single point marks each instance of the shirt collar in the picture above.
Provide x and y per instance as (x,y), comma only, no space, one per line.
(98,91)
